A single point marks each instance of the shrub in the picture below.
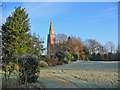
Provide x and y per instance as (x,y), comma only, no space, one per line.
(43,64)
(75,56)
(72,58)
(86,58)
(66,61)
(68,55)
(60,55)
(44,58)
(28,68)
(52,60)
(8,68)
(50,64)
(59,63)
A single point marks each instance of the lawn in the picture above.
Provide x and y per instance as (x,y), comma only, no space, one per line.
(82,74)
(79,74)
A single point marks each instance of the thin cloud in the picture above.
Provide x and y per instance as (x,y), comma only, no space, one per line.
(109,12)
(44,10)
(102,15)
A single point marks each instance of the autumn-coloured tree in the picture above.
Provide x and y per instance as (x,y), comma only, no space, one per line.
(75,46)
(71,44)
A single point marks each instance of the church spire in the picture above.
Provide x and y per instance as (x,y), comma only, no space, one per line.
(51,40)
(51,29)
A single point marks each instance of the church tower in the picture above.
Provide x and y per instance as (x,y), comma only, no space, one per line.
(51,40)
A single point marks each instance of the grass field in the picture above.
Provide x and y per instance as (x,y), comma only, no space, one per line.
(81,74)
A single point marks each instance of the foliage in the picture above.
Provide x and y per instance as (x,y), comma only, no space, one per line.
(52,60)
(74,45)
(72,58)
(59,63)
(49,63)
(86,58)
(44,58)
(43,64)
(75,56)
(110,55)
(9,68)
(68,55)
(66,61)
(60,55)
(99,56)
(87,54)
(15,33)
(14,37)
(105,56)
(36,45)
(69,45)
(117,55)
(94,46)
(17,41)
(28,65)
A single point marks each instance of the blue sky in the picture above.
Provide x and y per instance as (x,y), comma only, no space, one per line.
(88,20)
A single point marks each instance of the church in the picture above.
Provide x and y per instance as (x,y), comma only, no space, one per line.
(51,40)
(53,46)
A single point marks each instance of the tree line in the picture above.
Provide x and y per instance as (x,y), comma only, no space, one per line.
(89,49)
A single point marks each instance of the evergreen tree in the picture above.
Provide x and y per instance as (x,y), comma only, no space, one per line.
(69,45)
(15,33)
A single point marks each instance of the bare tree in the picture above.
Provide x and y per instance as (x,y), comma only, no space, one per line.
(76,38)
(61,38)
(110,46)
(94,46)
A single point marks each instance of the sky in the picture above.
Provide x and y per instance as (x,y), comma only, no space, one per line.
(88,20)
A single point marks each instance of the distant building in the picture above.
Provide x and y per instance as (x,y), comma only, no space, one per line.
(51,41)
(53,46)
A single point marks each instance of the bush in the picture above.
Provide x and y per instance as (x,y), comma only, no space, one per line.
(28,68)
(68,55)
(60,55)
(86,58)
(44,58)
(75,56)
(66,61)
(50,64)
(52,60)
(59,63)
(72,59)
(43,64)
